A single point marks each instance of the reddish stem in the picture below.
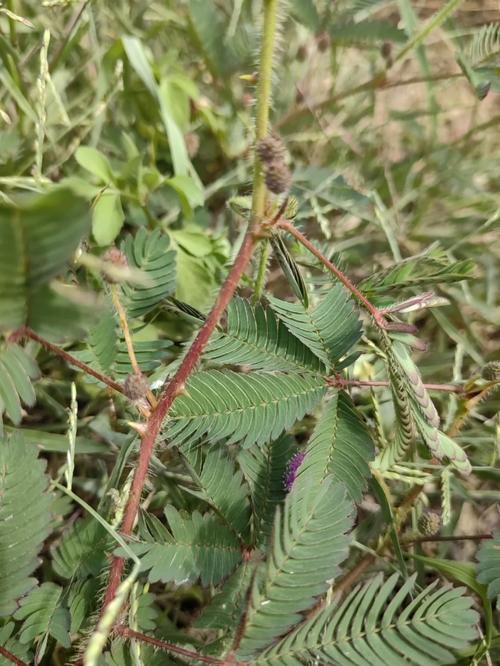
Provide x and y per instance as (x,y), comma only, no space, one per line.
(12,657)
(171,391)
(376,314)
(28,333)
(340,382)
(171,647)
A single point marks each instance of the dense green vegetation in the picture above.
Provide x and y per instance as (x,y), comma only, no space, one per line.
(249,349)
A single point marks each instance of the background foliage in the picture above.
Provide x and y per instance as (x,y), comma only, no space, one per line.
(131,124)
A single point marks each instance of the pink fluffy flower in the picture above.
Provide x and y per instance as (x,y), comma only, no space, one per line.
(291,469)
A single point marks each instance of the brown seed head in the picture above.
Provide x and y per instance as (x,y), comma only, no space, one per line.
(278,178)
(271,149)
(491,371)
(429,523)
(136,386)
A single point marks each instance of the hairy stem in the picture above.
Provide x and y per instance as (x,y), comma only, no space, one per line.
(177,383)
(170,647)
(28,333)
(376,314)
(122,316)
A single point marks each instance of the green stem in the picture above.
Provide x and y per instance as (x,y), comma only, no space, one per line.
(263,103)
(260,280)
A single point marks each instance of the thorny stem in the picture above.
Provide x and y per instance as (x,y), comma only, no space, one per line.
(122,316)
(28,333)
(341,382)
(177,384)
(376,314)
(12,657)
(171,647)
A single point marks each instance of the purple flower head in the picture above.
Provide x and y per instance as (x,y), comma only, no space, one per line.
(291,469)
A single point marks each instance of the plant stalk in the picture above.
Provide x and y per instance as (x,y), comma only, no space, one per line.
(12,657)
(177,384)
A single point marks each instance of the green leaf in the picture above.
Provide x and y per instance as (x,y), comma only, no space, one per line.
(17,369)
(488,568)
(290,269)
(151,253)
(310,539)
(25,519)
(107,218)
(373,625)
(264,468)
(95,162)
(306,13)
(178,150)
(256,338)
(139,61)
(39,234)
(252,407)
(329,330)
(103,340)
(367,31)
(221,485)
(50,441)
(43,614)
(196,547)
(340,446)
(10,643)
(82,550)
(188,190)
(485,44)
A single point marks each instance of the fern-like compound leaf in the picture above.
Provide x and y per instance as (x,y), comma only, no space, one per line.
(248,408)
(151,253)
(290,268)
(196,547)
(488,568)
(17,370)
(25,519)
(310,539)
(43,613)
(340,446)
(81,551)
(220,484)
(485,45)
(374,626)
(264,469)
(256,338)
(329,330)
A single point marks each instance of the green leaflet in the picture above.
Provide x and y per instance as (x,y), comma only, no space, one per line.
(329,329)
(340,446)
(17,369)
(25,519)
(264,468)
(488,568)
(256,338)
(196,547)
(151,253)
(81,551)
(249,408)
(310,539)
(290,269)
(412,400)
(43,614)
(374,626)
(221,485)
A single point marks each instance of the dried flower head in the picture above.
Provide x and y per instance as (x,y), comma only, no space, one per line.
(117,259)
(491,371)
(323,41)
(271,149)
(291,469)
(278,178)
(136,386)
(429,523)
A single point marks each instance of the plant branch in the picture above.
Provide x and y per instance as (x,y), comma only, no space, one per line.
(28,333)
(177,384)
(438,538)
(12,657)
(377,82)
(122,316)
(376,314)
(171,647)
(341,382)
